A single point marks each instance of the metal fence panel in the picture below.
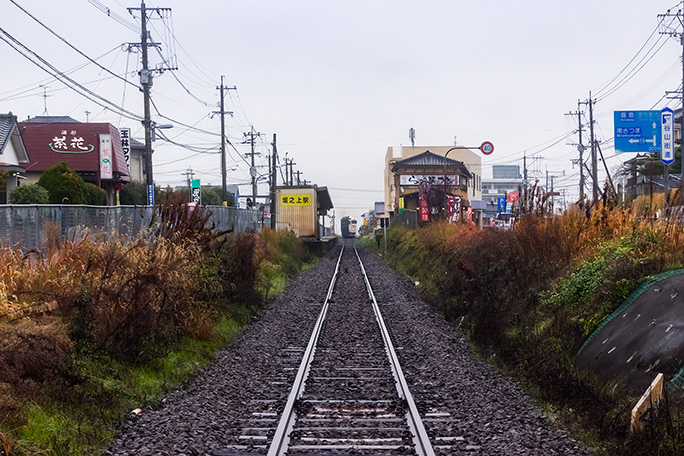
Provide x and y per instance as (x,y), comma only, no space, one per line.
(27,226)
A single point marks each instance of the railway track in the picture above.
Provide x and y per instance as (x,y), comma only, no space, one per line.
(349,395)
(347,398)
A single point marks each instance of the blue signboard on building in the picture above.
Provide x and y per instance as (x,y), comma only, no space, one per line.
(637,131)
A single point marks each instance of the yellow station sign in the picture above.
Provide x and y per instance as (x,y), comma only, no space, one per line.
(295,200)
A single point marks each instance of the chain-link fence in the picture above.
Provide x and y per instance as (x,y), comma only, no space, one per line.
(27,226)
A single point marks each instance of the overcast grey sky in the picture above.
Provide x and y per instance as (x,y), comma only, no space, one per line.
(339,82)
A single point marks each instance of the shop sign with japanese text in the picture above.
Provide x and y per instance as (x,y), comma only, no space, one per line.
(69,142)
(106,169)
(125,134)
(435,179)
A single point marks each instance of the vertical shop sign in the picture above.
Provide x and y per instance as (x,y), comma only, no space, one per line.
(424,203)
(125,134)
(106,169)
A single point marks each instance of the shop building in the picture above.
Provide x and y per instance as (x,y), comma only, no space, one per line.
(93,150)
(449,179)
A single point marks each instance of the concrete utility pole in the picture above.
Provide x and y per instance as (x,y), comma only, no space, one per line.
(666,29)
(292,163)
(252,135)
(189,174)
(146,82)
(223,89)
(289,174)
(580,149)
(594,155)
(274,182)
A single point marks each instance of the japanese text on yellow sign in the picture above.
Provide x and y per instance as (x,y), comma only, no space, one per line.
(295,200)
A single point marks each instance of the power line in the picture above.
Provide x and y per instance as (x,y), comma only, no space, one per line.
(634,72)
(70,45)
(121,20)
(59,75)
(183,85)
(599,91)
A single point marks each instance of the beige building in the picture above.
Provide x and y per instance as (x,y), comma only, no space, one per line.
(470,186)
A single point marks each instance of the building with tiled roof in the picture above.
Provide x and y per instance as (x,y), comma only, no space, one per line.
(93,150)
(13,155)
(406,167)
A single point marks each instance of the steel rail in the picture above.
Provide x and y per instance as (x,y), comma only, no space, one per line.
(420,436)
(281,437)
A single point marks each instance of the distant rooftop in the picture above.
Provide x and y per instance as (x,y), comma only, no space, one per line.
(7,124)
(51,119)
(506,172)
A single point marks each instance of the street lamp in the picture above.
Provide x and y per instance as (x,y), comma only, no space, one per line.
(159,126)
(445,201)
(486,148)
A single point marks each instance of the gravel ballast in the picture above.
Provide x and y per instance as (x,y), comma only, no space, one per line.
(481,411)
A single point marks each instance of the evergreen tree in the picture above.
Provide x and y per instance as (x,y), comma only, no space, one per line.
(63,184)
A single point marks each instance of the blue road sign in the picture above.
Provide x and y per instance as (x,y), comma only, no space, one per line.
(637,131)
(150,195)
(501,204)
(667,154)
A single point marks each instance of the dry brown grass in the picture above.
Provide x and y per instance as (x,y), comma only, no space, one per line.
(531,295)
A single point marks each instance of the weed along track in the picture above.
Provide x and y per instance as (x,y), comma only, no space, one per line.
(335,367)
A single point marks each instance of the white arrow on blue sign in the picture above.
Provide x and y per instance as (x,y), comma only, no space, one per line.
(667,151)
(637,131)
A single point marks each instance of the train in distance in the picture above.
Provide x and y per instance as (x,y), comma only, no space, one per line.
(348,226)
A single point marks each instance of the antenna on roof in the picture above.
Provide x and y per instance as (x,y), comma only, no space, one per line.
(45,97)
(412,136)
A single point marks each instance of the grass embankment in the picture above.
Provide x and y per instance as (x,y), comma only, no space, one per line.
(529,298)
(90,330)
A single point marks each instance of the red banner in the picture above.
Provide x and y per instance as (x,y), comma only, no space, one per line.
(424,207)
(453,208)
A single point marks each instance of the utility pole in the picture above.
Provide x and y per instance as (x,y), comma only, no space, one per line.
(547,180)
(289,177)
(224,192)
(274,182)
(292,172)
(594,155)
(189,174)
(605,166)
(252,135)
(298,173)
(666,29)
(146,82)
(580,149)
